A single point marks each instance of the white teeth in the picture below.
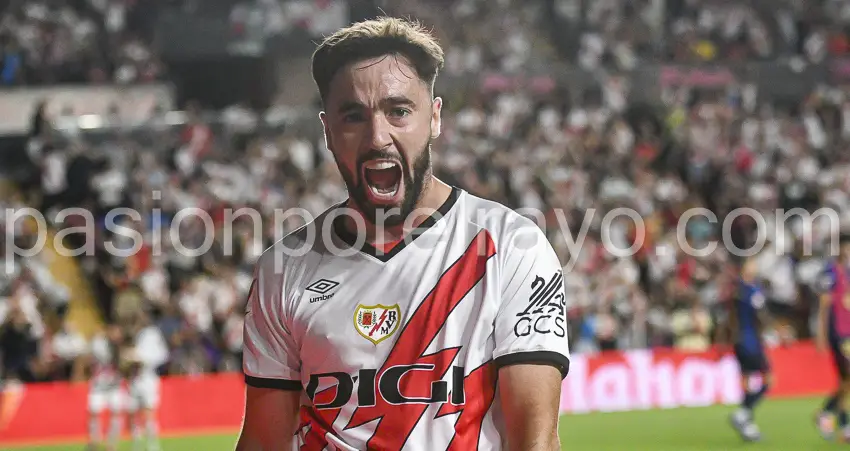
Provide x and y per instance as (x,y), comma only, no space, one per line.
(384,193)
(380,164)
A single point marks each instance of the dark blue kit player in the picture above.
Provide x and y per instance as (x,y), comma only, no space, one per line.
(748,319)
(833,333)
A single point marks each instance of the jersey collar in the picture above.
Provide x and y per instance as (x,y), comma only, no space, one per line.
(351,239)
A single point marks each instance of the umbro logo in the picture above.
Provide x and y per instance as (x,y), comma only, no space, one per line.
(322,287)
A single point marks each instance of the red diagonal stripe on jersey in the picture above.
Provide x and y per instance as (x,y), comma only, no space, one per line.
(482,383)
(315,424)
(397,421)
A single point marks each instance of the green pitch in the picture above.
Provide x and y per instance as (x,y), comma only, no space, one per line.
(786,425)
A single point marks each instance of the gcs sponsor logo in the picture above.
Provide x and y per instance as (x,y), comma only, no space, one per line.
(546,310)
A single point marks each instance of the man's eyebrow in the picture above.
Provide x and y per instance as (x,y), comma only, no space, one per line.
(349,106)
(398,100)
(353,105)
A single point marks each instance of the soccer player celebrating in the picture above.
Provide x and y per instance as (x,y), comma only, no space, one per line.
(413,315)
(148,352)
(834,332)
(748,319)
(105,387)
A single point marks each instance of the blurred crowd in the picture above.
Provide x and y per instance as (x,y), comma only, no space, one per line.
(701,150)
(621,33)
(501,35)
(574,158)
(45,42)
(264,18)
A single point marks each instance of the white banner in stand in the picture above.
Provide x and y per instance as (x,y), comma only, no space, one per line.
(124,104)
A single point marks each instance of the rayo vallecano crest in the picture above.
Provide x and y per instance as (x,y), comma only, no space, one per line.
(376,323)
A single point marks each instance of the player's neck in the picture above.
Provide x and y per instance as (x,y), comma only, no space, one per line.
(434,195)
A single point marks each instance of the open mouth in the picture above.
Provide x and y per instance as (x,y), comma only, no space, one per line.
(383,178)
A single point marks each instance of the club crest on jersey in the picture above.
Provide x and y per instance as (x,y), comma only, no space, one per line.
(376,323)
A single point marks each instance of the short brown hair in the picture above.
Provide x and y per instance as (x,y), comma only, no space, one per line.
(376,37)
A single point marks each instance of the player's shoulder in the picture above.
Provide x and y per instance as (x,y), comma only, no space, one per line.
(504,224)
(829,270)
(298,245)
(828,277)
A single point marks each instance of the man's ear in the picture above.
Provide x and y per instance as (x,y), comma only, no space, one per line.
(324,118)
(436,118)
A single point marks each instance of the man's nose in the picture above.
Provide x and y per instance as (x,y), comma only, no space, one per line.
(379,134)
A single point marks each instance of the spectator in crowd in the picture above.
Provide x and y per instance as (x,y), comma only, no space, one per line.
(19,343)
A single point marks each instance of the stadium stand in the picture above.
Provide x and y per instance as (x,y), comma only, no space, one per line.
(551,150)
(46,42)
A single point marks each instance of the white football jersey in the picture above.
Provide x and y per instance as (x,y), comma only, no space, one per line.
(105,374)
(400,349)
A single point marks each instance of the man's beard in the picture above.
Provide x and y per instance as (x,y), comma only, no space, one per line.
(414,187)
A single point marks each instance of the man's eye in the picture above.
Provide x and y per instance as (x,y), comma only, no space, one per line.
(399,112)
(352,117)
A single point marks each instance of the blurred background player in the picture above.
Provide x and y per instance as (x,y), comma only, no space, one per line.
(748,320)
(834,332)
(141,362)
(106,391)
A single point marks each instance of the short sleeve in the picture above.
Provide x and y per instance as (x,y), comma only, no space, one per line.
(531,326)
(758,300)
(270,356)
(826,281)
(100,349)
